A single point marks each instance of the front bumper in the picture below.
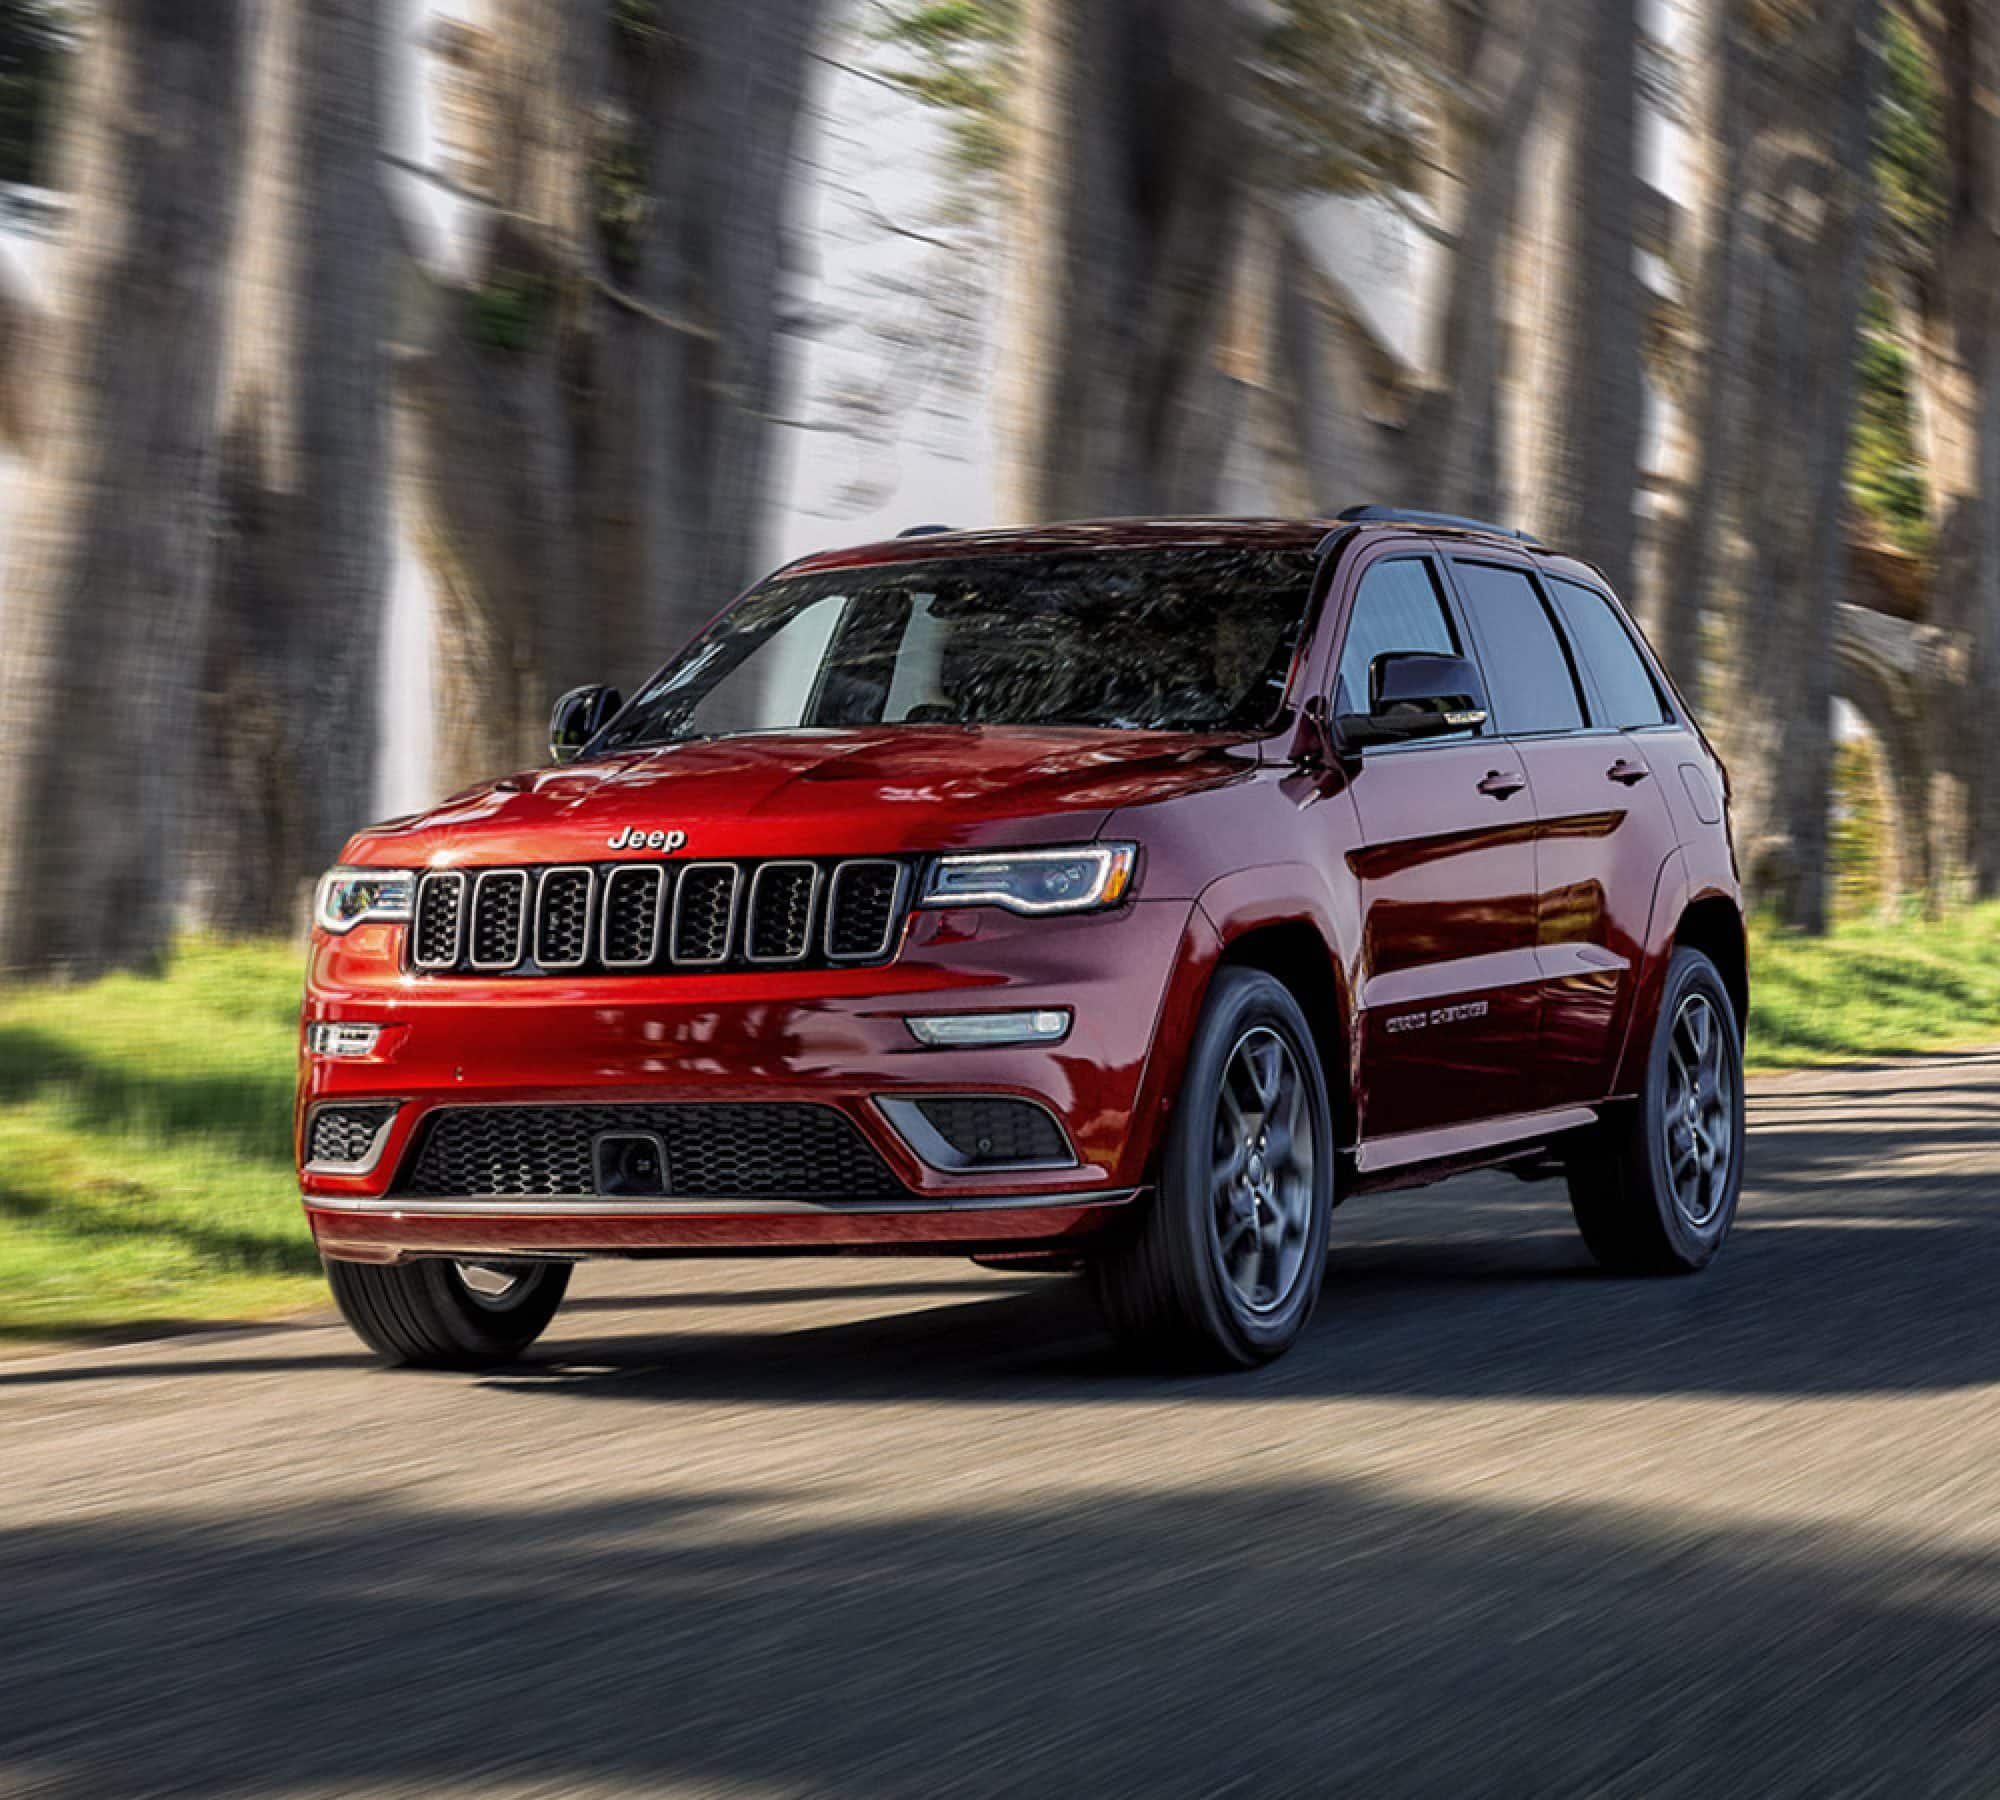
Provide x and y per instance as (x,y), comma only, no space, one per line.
(831,1037)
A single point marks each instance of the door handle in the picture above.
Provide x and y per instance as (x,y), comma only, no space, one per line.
(1502,782)
(1627,772)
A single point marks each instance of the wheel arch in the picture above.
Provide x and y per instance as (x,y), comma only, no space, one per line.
(1294,953)
(1714,926)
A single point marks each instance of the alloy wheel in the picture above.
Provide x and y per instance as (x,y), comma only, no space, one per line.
(1700,1112)
(1261,1184)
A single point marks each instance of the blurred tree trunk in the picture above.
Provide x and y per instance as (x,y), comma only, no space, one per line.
(20,327)
(1715,234)
(1130,186)
(1496,63)
(493,428)
(590,442)
(1808,84)
(1590,461)
(109,572)
(1958,359)
(289,727)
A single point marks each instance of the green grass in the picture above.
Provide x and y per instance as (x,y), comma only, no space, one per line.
(145,1147)
(1874,989)
(145,1122)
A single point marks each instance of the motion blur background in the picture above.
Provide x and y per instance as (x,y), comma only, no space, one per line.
(373,370)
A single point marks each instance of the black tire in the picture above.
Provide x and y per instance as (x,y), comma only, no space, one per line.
(1631,1178)
(1168,1290)
(423,1314)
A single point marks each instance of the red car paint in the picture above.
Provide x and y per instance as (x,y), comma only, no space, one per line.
(1481,961)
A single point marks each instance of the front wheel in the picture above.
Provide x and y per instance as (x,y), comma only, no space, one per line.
(432,1314)
(1654,1187)
(1225,1266)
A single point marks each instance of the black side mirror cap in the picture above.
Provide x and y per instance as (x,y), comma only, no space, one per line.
(1416,694)
(577,718)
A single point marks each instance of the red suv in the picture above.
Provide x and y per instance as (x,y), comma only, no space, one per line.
(1112,896)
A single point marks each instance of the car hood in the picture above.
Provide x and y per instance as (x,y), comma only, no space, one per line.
(815,793)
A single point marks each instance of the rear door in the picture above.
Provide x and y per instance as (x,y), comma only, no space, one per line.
(1447,988)
(1602,831)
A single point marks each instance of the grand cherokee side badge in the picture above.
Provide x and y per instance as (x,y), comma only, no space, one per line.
(633,839)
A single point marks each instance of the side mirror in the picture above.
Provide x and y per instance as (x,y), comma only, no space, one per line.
(577,718)
(1416,694)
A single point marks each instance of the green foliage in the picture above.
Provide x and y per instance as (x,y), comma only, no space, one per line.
(1874,988)
(1910,162)
(145,1146)
(1331,84)
(35,38)
(1859,838)
(959,58)
(1885,475)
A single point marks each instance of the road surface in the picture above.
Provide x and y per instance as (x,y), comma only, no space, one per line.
(1499,1525)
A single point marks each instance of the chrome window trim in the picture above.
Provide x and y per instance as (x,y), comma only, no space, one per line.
(729,933)
(750,911)
(659,873)
(589,914)
(833,906)
(521,909)
(417,960)
(376,1144)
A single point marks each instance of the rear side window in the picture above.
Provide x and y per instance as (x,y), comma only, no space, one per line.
(1624,684)
(1398,607)
(1528,676)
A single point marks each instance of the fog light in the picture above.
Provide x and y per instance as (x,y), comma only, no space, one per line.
(944,1031)
(342,1037)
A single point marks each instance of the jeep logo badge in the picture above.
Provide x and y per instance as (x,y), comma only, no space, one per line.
(631,838)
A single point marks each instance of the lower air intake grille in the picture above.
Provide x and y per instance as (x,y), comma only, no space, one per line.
(992,1129)
(749,1151)
(345,1134)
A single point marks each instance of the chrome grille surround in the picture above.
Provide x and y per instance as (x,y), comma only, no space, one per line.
(642,927)
(439,890)
(718,931)
(660,917)
(792,931)
(500,922)
(864,868)
(555,914)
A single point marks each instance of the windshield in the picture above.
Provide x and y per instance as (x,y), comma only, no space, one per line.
(1180,640)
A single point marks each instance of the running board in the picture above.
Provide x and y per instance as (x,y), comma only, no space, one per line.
(1447,1143)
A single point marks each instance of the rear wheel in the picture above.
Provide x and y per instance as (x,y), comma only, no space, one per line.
(447,1315)
(1654,1188)
(1225,1266)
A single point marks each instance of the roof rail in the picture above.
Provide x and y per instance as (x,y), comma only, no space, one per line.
(924,530)
(1404,515)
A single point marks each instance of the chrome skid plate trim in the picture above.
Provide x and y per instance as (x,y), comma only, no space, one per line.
(595,1206)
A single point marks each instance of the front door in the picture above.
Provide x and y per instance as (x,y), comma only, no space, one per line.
(1447,988)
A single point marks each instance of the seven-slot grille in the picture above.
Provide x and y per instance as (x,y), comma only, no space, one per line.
(791,912)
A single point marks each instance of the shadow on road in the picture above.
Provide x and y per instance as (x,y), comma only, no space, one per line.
(1248,1640)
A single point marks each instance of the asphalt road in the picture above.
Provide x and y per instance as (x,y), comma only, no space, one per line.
(1498,1526)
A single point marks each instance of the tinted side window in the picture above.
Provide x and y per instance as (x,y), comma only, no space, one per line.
(1528,676)
(1624,683)
(1399,606)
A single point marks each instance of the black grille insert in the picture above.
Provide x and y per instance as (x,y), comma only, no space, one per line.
(345,1134)
(781,911)
(562,917)
(984,1129)
(499,912)
(704,913)
(440,919)
(632,909)
(734,1151)
(863,905)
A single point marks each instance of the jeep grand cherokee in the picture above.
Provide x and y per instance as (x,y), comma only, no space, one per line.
(1117,897)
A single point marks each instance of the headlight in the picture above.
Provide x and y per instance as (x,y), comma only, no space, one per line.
(351,897)
(1034,881)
